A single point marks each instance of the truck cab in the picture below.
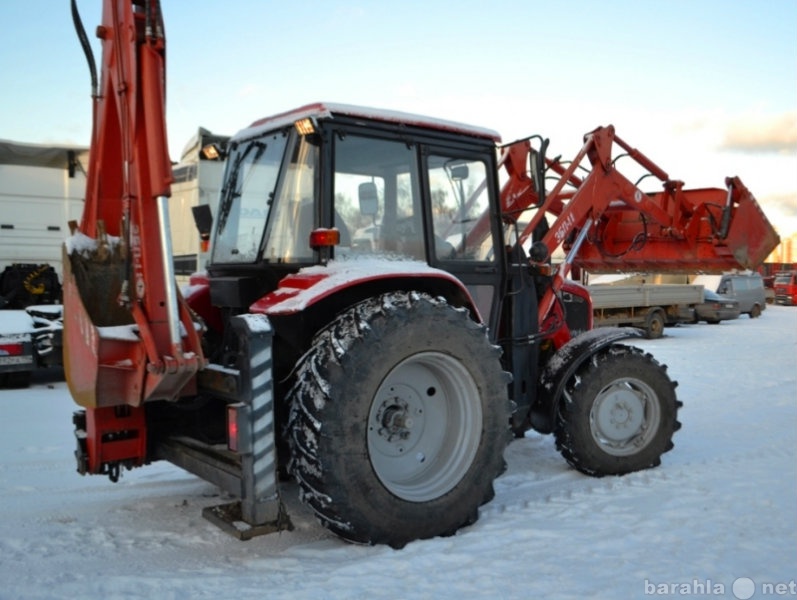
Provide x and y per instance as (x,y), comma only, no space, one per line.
(785,288)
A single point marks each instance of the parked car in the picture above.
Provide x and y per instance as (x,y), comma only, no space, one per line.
(716,307)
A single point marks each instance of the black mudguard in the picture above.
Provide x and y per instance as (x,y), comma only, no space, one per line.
(562,365)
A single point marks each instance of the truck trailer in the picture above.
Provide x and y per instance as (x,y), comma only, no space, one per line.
(648,306)
(41,190)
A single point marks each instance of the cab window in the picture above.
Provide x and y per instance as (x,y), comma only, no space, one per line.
(460,208)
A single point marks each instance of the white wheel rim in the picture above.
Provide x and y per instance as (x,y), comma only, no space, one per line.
(424,426)
(625,417)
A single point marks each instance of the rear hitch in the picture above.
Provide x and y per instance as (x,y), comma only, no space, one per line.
(109,439)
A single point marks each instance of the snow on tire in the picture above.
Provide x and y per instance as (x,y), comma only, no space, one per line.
(618,414)
(399,418)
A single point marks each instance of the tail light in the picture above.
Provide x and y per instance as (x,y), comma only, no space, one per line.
(238,436)
(11,349)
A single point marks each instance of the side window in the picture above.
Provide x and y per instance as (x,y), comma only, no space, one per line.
(460,208)
(293,217)
(377,202)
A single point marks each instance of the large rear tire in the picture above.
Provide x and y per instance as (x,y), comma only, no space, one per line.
(618,414)
(398,420)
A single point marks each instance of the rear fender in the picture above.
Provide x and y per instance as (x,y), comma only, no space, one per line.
(300,291)
(561,367)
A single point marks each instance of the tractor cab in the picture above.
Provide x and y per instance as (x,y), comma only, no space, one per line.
(330,184)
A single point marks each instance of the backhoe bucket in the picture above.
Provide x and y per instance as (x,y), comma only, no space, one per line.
(104,360)
(110,358)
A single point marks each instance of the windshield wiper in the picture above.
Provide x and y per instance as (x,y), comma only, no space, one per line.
(230,190)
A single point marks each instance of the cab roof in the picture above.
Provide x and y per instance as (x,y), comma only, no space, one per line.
(325,110)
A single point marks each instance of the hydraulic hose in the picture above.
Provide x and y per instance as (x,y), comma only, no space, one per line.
(84,42)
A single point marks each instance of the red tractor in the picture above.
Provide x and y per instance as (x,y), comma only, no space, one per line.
(381,312)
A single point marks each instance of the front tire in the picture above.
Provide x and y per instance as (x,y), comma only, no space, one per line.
(654,325)
(618,414)
(398,420)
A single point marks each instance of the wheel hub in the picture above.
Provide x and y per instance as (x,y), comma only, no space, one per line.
(620,415)
(624,417)
(396,419)
(399,420)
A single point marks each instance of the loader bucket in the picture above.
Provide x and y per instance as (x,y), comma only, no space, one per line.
(724,230)
(750,236)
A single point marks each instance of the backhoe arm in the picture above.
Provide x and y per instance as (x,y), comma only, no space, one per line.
(129,337)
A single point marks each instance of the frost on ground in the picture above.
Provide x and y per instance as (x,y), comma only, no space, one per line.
(721,507)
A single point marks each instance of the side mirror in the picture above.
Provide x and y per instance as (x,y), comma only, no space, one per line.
(459,173)
(203,219)
(537,159)
(369,199)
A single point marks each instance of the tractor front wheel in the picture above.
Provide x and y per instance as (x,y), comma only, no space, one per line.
(618,414)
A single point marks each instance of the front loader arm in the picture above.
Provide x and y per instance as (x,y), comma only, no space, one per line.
(606,223)
(674,230)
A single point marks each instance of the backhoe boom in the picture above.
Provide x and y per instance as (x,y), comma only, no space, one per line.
(128,336)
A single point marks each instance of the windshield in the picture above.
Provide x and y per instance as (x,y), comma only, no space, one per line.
(247,197)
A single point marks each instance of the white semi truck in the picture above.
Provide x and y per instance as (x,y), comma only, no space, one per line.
(197,182)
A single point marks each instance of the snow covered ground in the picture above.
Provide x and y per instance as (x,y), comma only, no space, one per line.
(718,518)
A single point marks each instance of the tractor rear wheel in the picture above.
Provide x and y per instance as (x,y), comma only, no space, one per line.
(398,421)
(618,414)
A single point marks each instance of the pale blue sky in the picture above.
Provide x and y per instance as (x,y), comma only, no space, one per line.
(707,88)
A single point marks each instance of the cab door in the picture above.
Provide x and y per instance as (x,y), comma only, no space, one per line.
(462,223)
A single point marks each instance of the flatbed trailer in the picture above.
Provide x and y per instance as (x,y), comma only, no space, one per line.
(645,306)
